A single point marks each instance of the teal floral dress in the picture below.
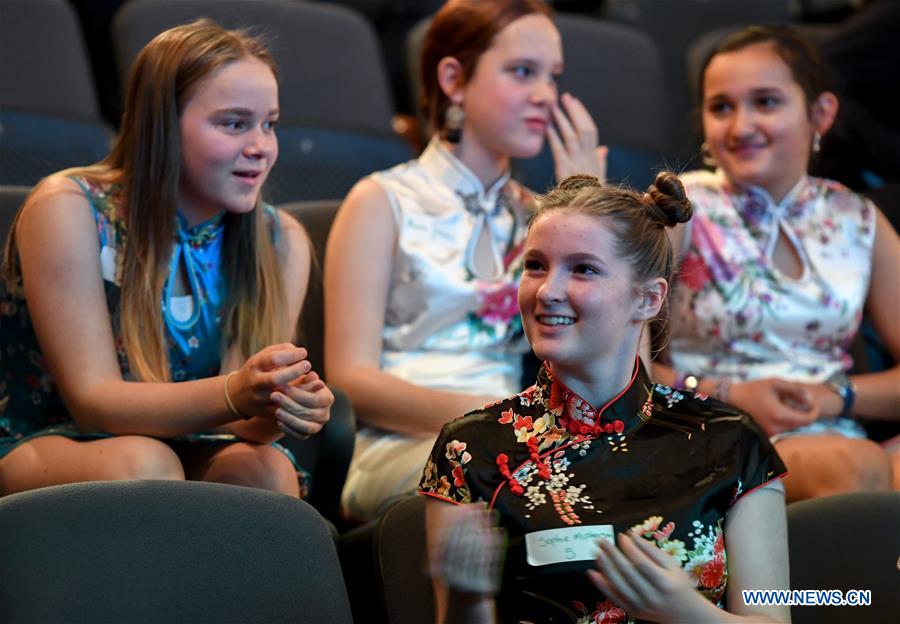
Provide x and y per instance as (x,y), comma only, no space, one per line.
(562,473)
(33,405)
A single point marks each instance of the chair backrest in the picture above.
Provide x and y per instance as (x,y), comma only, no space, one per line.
(316,217)
(316,163)
(330,65)
(326,457)
(847,541)
(45,62)
(165,551)
(34,145)
(11,199)
(401,563)
(49,114)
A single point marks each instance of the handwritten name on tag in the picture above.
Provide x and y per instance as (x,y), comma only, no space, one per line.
(578,543)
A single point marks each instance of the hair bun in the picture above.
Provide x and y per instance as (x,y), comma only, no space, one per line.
(666,201)
(579,181)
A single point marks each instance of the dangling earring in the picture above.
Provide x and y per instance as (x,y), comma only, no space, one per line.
(453,122)
(817,143)
(708,159)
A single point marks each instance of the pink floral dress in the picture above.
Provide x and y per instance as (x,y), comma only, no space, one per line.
(735,314)
(452,318)
(560,472)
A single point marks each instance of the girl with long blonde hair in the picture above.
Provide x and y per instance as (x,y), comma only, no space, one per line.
(161,264)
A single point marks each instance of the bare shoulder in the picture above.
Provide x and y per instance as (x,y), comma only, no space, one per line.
(367,196)
(57,205)
(295,240)
(290,226)
(365,218)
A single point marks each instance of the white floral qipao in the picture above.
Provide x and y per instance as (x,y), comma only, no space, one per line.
(451,319)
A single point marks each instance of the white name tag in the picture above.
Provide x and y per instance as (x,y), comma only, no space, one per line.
(108,264)
(578,543)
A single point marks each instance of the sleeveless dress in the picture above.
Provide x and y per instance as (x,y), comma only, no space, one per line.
(34,406)
(561,474)
(452,320)
(734,314)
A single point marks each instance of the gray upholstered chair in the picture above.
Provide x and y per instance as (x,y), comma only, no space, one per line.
(166,551)
(49,114)
(11,199)
(848,541)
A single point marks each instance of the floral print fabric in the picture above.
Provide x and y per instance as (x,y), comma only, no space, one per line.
(452,320)
(33,403)
(669,462)
(735,314)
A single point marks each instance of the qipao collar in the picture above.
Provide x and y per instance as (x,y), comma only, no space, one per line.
(579,417)
(484,252)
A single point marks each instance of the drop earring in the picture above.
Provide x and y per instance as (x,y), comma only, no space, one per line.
(708,159)
(817,143)
(453,122)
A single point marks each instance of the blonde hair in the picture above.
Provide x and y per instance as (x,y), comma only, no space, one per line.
(146,161)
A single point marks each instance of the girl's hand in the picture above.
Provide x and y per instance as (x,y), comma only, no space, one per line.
(646,582)
(467,554)
(777,405)
(304,406)
(573,140)
(250,388)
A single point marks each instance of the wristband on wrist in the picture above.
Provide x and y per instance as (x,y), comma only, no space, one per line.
(228,402)
(686,381)
(842,385)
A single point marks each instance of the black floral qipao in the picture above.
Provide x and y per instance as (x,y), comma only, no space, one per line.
(669,462)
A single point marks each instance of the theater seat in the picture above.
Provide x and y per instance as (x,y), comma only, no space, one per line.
(166,551)
(848,541)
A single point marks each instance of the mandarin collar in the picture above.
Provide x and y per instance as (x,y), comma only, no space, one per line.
(580,417)
(442,164)
(201,232)
(759,210)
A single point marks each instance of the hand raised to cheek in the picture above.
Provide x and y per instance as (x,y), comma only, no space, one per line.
(573,140)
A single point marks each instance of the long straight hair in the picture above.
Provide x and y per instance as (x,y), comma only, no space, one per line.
(146,162)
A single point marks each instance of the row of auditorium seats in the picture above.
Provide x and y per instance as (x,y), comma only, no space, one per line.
(163,551)
(337,107)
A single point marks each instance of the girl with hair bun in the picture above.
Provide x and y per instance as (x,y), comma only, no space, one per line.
(617,498)
(149,300)
(423,259)
(777,267)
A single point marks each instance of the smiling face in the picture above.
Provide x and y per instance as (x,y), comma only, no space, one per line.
(508,98)
(579,302)
(228,143)
(756,119)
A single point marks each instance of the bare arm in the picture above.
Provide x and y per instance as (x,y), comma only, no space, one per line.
(358,267)
(650,584)
(59,252)
(878,394)
(757,547)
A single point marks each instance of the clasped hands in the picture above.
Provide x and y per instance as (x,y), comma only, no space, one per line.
(278,382)
(779,405)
